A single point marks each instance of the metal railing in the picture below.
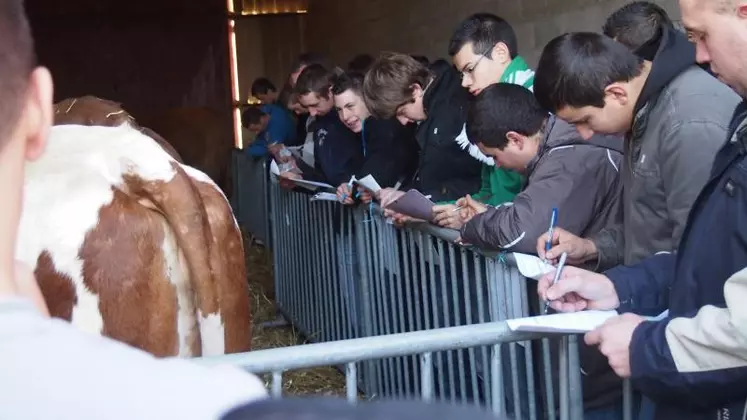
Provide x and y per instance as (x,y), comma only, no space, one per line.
(250,200)
(343,273)
(424,344)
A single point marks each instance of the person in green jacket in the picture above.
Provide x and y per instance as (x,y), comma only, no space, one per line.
(484,49)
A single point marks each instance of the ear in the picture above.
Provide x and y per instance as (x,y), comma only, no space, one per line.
(617,92)
(417,90)
(38,112)
(516,139)
(500,53)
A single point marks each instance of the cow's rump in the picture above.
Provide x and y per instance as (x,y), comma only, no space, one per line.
(129,243)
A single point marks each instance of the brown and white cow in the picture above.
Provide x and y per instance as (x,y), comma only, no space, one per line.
(128,242)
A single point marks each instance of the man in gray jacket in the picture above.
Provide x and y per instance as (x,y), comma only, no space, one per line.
(579,178)
(675,117)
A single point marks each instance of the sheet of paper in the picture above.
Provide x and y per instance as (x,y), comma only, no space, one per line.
(567,323)
(274,169)
(324,196)
(414,204)
(369,182)
(532,266)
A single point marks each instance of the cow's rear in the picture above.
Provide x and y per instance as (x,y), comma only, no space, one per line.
(129,243)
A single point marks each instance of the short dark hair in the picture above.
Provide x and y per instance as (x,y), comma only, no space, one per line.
(388,83)
(575,68)
(636,23)
(307,59)
(361,63)
(315,78)
(17,61)
(262,86)
(347,80)
(252,115)
(483,30)
(500,108)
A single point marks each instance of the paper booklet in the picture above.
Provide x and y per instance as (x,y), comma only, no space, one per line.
(569,323)
(414,204)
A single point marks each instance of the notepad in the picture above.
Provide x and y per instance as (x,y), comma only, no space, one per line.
(274,168)
(369,182)
(566,323)
(414,204)
(569,323)
(531,266)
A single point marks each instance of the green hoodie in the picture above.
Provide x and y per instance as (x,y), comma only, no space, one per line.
(500,185)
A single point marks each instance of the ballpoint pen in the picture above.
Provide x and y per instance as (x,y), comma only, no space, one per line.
(555,279)
(553,221)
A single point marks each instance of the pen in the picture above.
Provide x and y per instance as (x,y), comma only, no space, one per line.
(555,279)
(457,209)
(350,185)
(553,221)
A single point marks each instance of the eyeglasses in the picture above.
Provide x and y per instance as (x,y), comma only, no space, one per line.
(468,71)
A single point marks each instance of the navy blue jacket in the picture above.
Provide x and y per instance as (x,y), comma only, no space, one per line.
(712,248)
(338,153)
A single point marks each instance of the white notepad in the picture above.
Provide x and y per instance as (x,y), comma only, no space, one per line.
(569,323)
(369,182)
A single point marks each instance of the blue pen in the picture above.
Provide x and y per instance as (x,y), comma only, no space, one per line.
(553,222)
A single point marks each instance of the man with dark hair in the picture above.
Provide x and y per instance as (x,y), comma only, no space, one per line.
(389,148)
(270,124)
(579,178)
(674,115)
(484,49)
(399,86)
(86,376)
(337,151)
(264,90)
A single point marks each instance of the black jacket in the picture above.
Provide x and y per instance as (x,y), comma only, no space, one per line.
(338,153)
(445,170)
(390,151)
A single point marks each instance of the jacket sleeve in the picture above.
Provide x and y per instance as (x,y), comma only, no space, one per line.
(381,161)
(610,244)
(643,288)
(698,360)
(687,154)
(517,225)
(347,155)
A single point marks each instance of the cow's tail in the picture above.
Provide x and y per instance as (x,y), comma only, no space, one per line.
(182,205)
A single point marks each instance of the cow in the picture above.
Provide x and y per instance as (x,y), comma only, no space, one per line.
(127,242)
(202,136)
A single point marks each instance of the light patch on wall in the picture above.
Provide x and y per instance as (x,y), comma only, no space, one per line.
(238,137)
(273,7)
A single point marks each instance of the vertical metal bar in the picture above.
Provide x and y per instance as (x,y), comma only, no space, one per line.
(395,286)
(459,354)
(426,372)
(479,260)
(627,400)
(383,311)
(497,396)
(574,379)
(468,282)
(366,325)
(316,300)
(427,240)
(277,385)
(351,382)
(563,380)
(445,310)
(413,306)
(513,273)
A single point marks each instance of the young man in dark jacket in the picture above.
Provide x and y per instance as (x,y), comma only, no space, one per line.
(399,86)
(389,149)
(337,151)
